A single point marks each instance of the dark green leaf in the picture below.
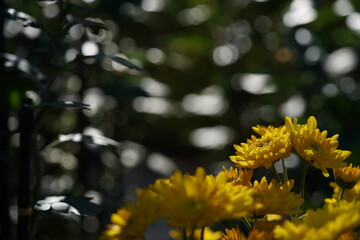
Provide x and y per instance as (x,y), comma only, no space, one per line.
(25,19)
(62,104)
(83,205)
(48,1)
(80,206)
(79,137)
(94,25)
(98,140)
(119,60)
(14,62)
(125,63)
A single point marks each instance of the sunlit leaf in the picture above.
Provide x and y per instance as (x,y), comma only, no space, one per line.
(14,62)
(25,19)
(80,206)
(125,63)
(62,104)
(45,204)
(83,205)
(79,137)
(117,59)
(94,25)
(93,139)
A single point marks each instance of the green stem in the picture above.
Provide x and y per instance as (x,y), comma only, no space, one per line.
(191,237)
(302,183)
(342,193)
(303,178)
(255,222)
(184,234)
(284,170)
(247,224)
(273,169)
(202,233)
(25,173)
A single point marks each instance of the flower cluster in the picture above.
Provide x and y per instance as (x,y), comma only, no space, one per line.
(267,209)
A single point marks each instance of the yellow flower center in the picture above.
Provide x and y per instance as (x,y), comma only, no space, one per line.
(195,205)
(261,143)
(315,146)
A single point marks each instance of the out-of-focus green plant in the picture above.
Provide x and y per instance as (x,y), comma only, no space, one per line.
(214,70)
(39,101)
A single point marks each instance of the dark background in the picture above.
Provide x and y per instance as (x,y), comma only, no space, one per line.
(212,69)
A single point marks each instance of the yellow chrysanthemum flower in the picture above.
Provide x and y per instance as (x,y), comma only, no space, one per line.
(273,145)
(276,198)
(326,223)
(314,146)
(131,221)
(201,200)
(126,224)
(268,226)
(238,176)
(208,234)
(349,236)
(235,234)
(347,177)
(352,194)
(261,130)
(119,221)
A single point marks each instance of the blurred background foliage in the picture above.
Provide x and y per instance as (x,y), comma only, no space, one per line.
(212,69)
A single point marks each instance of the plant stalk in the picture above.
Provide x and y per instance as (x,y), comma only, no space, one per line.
(285,173)
(342,193)
(184,233)
(276,175)
(5,169)
(247,224)
(302,183)
(202,233)
(24,168)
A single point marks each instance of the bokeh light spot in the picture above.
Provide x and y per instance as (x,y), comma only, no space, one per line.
(300,12)
(312,54)
(161,164)
(341,61)
(51,10)
(132,154)
(353,22)
(294,107)
(194,16)
(153,105)
(343,7)
(155,88)
(155,55)
(263,24)
(303,36)
(209,102)
(225,54)
(256,83)
(330,90)
(215,137)
(89,48)
(152,5)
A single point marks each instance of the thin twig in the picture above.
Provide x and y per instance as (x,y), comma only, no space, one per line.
(285,173)
(247,224)
(202,233)
(302,183)
(342,193)
(24,192)
(277,177)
